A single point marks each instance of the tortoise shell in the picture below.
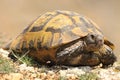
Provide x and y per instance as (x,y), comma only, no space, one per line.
(52,30)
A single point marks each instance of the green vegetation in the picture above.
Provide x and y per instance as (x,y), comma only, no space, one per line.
(24,59)
(88,76)
(6,66)
(62,78)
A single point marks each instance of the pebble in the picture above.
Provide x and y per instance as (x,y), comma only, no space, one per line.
(107,74)
(75,71)
(4,53)
(37,79)
(23,67)
(42,76)
(11,76)
(51,72)
(62,73)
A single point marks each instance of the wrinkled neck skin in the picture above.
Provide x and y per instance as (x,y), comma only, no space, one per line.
(91,47)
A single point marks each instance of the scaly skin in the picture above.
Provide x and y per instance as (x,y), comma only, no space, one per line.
(75,55)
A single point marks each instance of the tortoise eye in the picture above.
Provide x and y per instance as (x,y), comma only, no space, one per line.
(92,36)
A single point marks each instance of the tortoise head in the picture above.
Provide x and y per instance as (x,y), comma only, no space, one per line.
(93,41)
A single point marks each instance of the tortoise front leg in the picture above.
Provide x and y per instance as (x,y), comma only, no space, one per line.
(75,55)
(107,57)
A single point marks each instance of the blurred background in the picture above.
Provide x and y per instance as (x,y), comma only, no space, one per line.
(15,15)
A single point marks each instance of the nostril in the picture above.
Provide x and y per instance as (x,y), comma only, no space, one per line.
(100,39)
(100,42)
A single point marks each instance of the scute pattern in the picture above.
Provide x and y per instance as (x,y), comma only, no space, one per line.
(53,29)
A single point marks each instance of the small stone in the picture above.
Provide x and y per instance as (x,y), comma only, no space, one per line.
(42,76)
(37,79)
(62,73)
(24,67)
(16,76)
(86,68)
(51,72)
(117,68)
(76,71)
(33,75)
(4,53)
(71,76)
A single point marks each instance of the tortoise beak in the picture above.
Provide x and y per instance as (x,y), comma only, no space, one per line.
(99,41)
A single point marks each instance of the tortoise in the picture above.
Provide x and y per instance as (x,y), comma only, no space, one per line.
(64,38)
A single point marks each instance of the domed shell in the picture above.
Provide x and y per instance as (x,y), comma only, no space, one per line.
(53,29)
